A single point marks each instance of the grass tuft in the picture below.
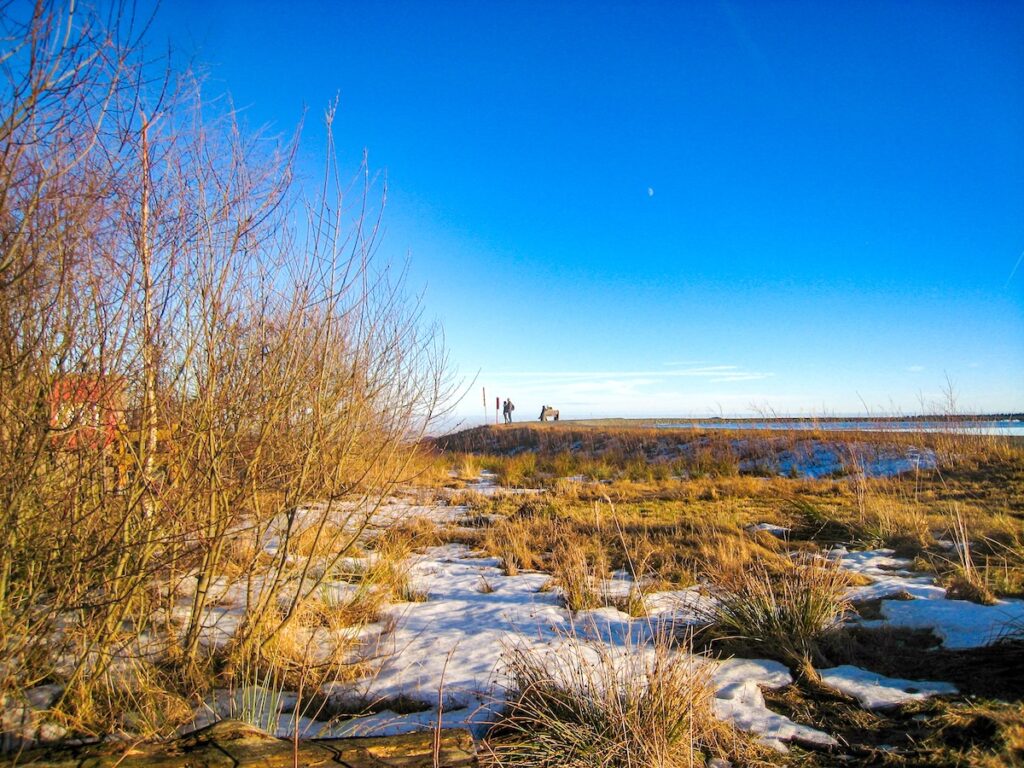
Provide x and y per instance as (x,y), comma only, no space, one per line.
(580,567)
(966,582)
(589,706)
(785,614)
(511,541)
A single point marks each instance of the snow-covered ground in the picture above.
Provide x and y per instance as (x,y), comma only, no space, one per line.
(890,576)
(487,484)
(450,648)
(454,643)
(877,691)
(444,656)
(957,623)
(820,458)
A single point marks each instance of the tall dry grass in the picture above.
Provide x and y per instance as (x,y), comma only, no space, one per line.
(596,706)
(513,541)
(964,580)
(783,614)
(580,567)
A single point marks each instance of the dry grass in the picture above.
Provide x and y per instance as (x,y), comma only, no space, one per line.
(137,696)
(965,581)
(664,544)
(778,597)
(590,707)
(514,541)
(387,574)
(984,734)
(467,466)
(665,517)
(313,647)
(518,471)
(474,500)
(725,553)
(886,517)
(580,566)
(783,614)
(429,468)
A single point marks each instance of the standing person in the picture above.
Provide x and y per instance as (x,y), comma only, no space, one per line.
(504,411)
(510,409)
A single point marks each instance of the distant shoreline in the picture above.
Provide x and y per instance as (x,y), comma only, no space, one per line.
(967,418)
(1003,424)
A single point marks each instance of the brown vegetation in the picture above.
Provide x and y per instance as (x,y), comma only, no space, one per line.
(183,380)
(587,708)
(606,502)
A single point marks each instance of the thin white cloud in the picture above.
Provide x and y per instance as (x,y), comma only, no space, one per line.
(742,377)
(724,372)
(685,388)
(915,368)
(1013,271)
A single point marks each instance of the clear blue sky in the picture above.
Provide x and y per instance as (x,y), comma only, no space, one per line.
(675,208)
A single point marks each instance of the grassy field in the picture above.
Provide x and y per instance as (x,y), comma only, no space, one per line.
(676,508)
(558,512)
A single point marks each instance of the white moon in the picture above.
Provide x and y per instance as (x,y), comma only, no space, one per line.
(650,191)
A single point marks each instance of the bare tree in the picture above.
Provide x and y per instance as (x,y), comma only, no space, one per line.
(204,378)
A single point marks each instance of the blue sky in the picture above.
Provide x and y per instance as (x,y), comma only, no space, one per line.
(629,209)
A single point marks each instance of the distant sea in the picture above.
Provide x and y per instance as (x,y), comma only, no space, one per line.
(1005,427)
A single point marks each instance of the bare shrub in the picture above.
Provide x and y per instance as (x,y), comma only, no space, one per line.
(191,393)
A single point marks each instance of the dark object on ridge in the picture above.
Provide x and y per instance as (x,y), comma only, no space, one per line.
(547,411)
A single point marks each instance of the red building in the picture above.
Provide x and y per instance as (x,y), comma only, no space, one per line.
(87,410)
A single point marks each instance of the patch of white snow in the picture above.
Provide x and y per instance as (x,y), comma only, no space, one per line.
(875,691)
(959,623)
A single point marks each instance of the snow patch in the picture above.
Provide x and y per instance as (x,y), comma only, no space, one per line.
(875,691)
(742,704)
(889,576)
(456,640)
(958,623)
